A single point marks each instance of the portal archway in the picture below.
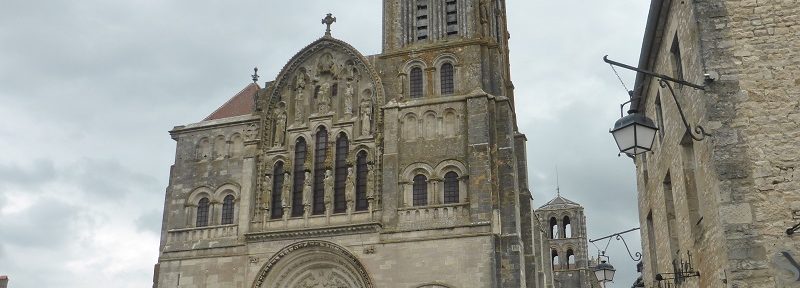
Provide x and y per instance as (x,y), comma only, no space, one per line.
(313,263)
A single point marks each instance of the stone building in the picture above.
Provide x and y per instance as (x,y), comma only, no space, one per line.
(567,243)
(721,206)
(402,169)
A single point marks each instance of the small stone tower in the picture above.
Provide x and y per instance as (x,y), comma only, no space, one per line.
(566,229)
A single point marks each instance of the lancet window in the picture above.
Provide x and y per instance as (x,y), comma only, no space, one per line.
(227,210)
(451,187)
(202,212)
(319,171)
(277,191)
(446,78)
(299,177)
(342,147)
(361,181)
(415,81)
(420,190)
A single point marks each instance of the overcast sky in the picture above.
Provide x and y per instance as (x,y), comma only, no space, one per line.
(89,89)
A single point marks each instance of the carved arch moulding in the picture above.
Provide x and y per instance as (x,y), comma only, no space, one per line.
(313,263)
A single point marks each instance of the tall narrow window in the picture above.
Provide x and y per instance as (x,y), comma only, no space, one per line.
(227,210)
(677,62)
(570,259)
(420,193)
(342,146)
(553,228)
(422,19)
(567,227)
(451,17)
(277,191)
(321,152)
(660,118)
(554,258)
(202,212)
(361,181)
(415,79)
(669,203)
(450,187)
(299,177)
(446,74)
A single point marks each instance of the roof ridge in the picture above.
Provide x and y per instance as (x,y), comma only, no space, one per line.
(230,100)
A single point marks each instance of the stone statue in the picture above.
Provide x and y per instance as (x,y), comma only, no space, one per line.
(307,189)
(299,97)
(328,190)
(286,191)
(280,125)
(348,99)
(370,183)
(484,18)
(266,193)
(251,131)
(324,98)
(366,115)
(401,87)
(350,188)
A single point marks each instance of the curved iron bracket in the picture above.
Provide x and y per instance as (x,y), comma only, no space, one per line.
(698,133)
(618,236)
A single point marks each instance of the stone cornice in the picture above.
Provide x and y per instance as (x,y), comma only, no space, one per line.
(427,48)
(206,125)
(372,227)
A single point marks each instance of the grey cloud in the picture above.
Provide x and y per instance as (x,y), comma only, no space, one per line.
(150,222)
(49,223)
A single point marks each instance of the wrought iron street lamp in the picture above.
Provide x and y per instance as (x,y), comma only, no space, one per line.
(604,272)
(636,132)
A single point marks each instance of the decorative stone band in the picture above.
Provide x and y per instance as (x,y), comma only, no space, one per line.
(373,227)
(310,244)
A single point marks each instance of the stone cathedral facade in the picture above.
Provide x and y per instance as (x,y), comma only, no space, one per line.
(402,169)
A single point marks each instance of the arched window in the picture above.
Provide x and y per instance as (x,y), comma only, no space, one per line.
(567,227)
(554,258)
(420,193)
(321,152)
(570,259)
(553,228)
(342,147)
(415,83)
(446,78)
(227,210)
(277,191)
(361,181)
(450,187)
(202,212)
(299,177)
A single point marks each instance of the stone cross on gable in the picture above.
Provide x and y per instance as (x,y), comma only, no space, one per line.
(328,20)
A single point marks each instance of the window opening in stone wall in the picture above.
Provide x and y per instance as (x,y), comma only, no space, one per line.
(415,81)
(651,244)
(361,181)
(446,76)
(339,201)
(554,258)
(690,186)
(276,209)
(299,177)
(677,62)
(420,190)
(202,212)
(669,203)
(422,19)
(570,259)
(567,231)
(321,152)
(227,210)
(451,187)
(451,17)
(660,118)
(553,228)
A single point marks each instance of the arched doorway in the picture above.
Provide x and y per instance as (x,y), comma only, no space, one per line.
(313,263)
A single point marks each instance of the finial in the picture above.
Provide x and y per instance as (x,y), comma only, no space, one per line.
(328,20)
(255,75)
(558,186)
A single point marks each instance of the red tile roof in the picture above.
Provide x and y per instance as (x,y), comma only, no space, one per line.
(240,104)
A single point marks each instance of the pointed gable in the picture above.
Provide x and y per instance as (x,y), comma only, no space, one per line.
(559,203)
(240,104)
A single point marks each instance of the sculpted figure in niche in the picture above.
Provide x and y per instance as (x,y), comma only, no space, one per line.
(370,182)
(401,87)
(307,197)
(325,64)
(348,98)
(266,192)
(366,114)
(324,98)
(286,191)
(350,189)
(484,13)
(328,190)
(300,87)
(250,131)
(280,125)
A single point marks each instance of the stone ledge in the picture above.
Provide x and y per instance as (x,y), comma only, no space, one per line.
(372,227)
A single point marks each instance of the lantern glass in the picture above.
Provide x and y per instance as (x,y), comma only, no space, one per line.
(634,134)
(604,272)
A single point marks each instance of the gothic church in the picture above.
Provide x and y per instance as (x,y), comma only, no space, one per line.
(402,169)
